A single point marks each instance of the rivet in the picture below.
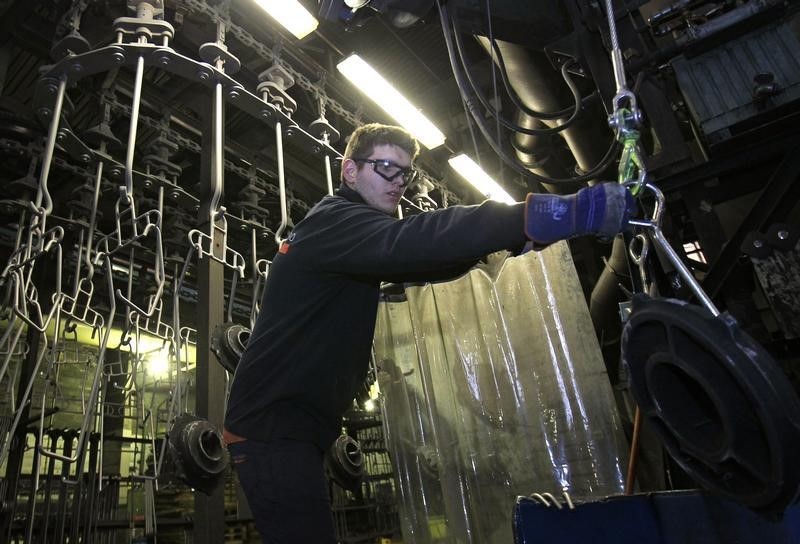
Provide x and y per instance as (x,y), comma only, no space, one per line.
(783,234)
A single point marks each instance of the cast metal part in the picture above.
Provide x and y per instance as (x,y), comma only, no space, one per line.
(344,463)
(228,342)
(720,404)
(198,453)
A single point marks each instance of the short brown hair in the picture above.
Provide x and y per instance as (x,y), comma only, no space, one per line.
(365,138)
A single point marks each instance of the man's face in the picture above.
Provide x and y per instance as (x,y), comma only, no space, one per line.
(381,194)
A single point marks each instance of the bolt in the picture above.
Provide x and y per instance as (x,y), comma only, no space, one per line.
(758,244)
(783,234)
(266,114)
(44,112)
(174,195)
(289,132)
(85,157)
(163,60)
(197,207)
(60,137)
(118,57)
(202,75)
(148,183)
(233,94)
(77,67)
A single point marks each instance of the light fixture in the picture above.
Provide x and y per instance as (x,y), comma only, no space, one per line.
(372,84)
(292,15)
(158,363)
(474,174)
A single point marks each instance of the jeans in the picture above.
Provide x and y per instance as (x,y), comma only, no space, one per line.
(286,489)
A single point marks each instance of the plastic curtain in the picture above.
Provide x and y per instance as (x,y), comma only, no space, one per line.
(493,386)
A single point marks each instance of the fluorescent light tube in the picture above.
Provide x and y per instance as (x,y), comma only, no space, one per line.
(292,15)
(372,84)
(474,174)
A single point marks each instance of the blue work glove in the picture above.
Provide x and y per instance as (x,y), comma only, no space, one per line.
(602,210)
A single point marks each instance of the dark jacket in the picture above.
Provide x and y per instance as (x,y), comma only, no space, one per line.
(309,350)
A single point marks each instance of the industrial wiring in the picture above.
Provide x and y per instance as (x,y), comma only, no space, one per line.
(517,101)
(576,109)
(480,121)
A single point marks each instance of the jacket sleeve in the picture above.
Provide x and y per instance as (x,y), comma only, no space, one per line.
(356,239)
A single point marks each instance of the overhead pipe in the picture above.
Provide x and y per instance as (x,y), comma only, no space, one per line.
(536,153)
(540,88)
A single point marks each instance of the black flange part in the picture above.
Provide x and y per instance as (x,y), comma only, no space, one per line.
(344,463)
(721,405)
(228,341)
(198,453)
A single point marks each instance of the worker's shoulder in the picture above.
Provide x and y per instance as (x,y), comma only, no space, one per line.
(335,208)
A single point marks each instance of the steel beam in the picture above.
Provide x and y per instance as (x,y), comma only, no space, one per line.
(209,527)
(773,204)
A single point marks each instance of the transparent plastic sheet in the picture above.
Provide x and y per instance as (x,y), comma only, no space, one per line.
(494,387)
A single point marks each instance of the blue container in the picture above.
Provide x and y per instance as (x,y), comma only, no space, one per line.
(674,517)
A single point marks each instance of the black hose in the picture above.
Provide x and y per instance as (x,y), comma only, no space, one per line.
(576,109)
(543,116)
(481,121)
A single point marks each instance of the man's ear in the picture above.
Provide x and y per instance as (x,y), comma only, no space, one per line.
(349,171)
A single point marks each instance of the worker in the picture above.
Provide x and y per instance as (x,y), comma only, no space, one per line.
(310,348)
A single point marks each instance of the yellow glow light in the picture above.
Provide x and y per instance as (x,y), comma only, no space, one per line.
(380,91)
(158,363)
(292,15)
(474,174)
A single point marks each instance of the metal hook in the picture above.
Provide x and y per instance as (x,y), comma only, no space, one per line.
(654,226)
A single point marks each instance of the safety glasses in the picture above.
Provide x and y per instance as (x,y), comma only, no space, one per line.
(389,170)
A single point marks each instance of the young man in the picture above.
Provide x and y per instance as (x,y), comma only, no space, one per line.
(310,348)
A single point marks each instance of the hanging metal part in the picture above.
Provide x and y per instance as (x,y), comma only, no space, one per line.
(217,54)
(228,342)
(653,226)
(91,404)
(281,185)
(221,253)
(274,82)
(322,130)
(131,230)
(626,117)
(198,453)
(421,197)
(40,241)
(152,324)
(344,463)
(71,44)
(261,270)
(147,24)
(719,402)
